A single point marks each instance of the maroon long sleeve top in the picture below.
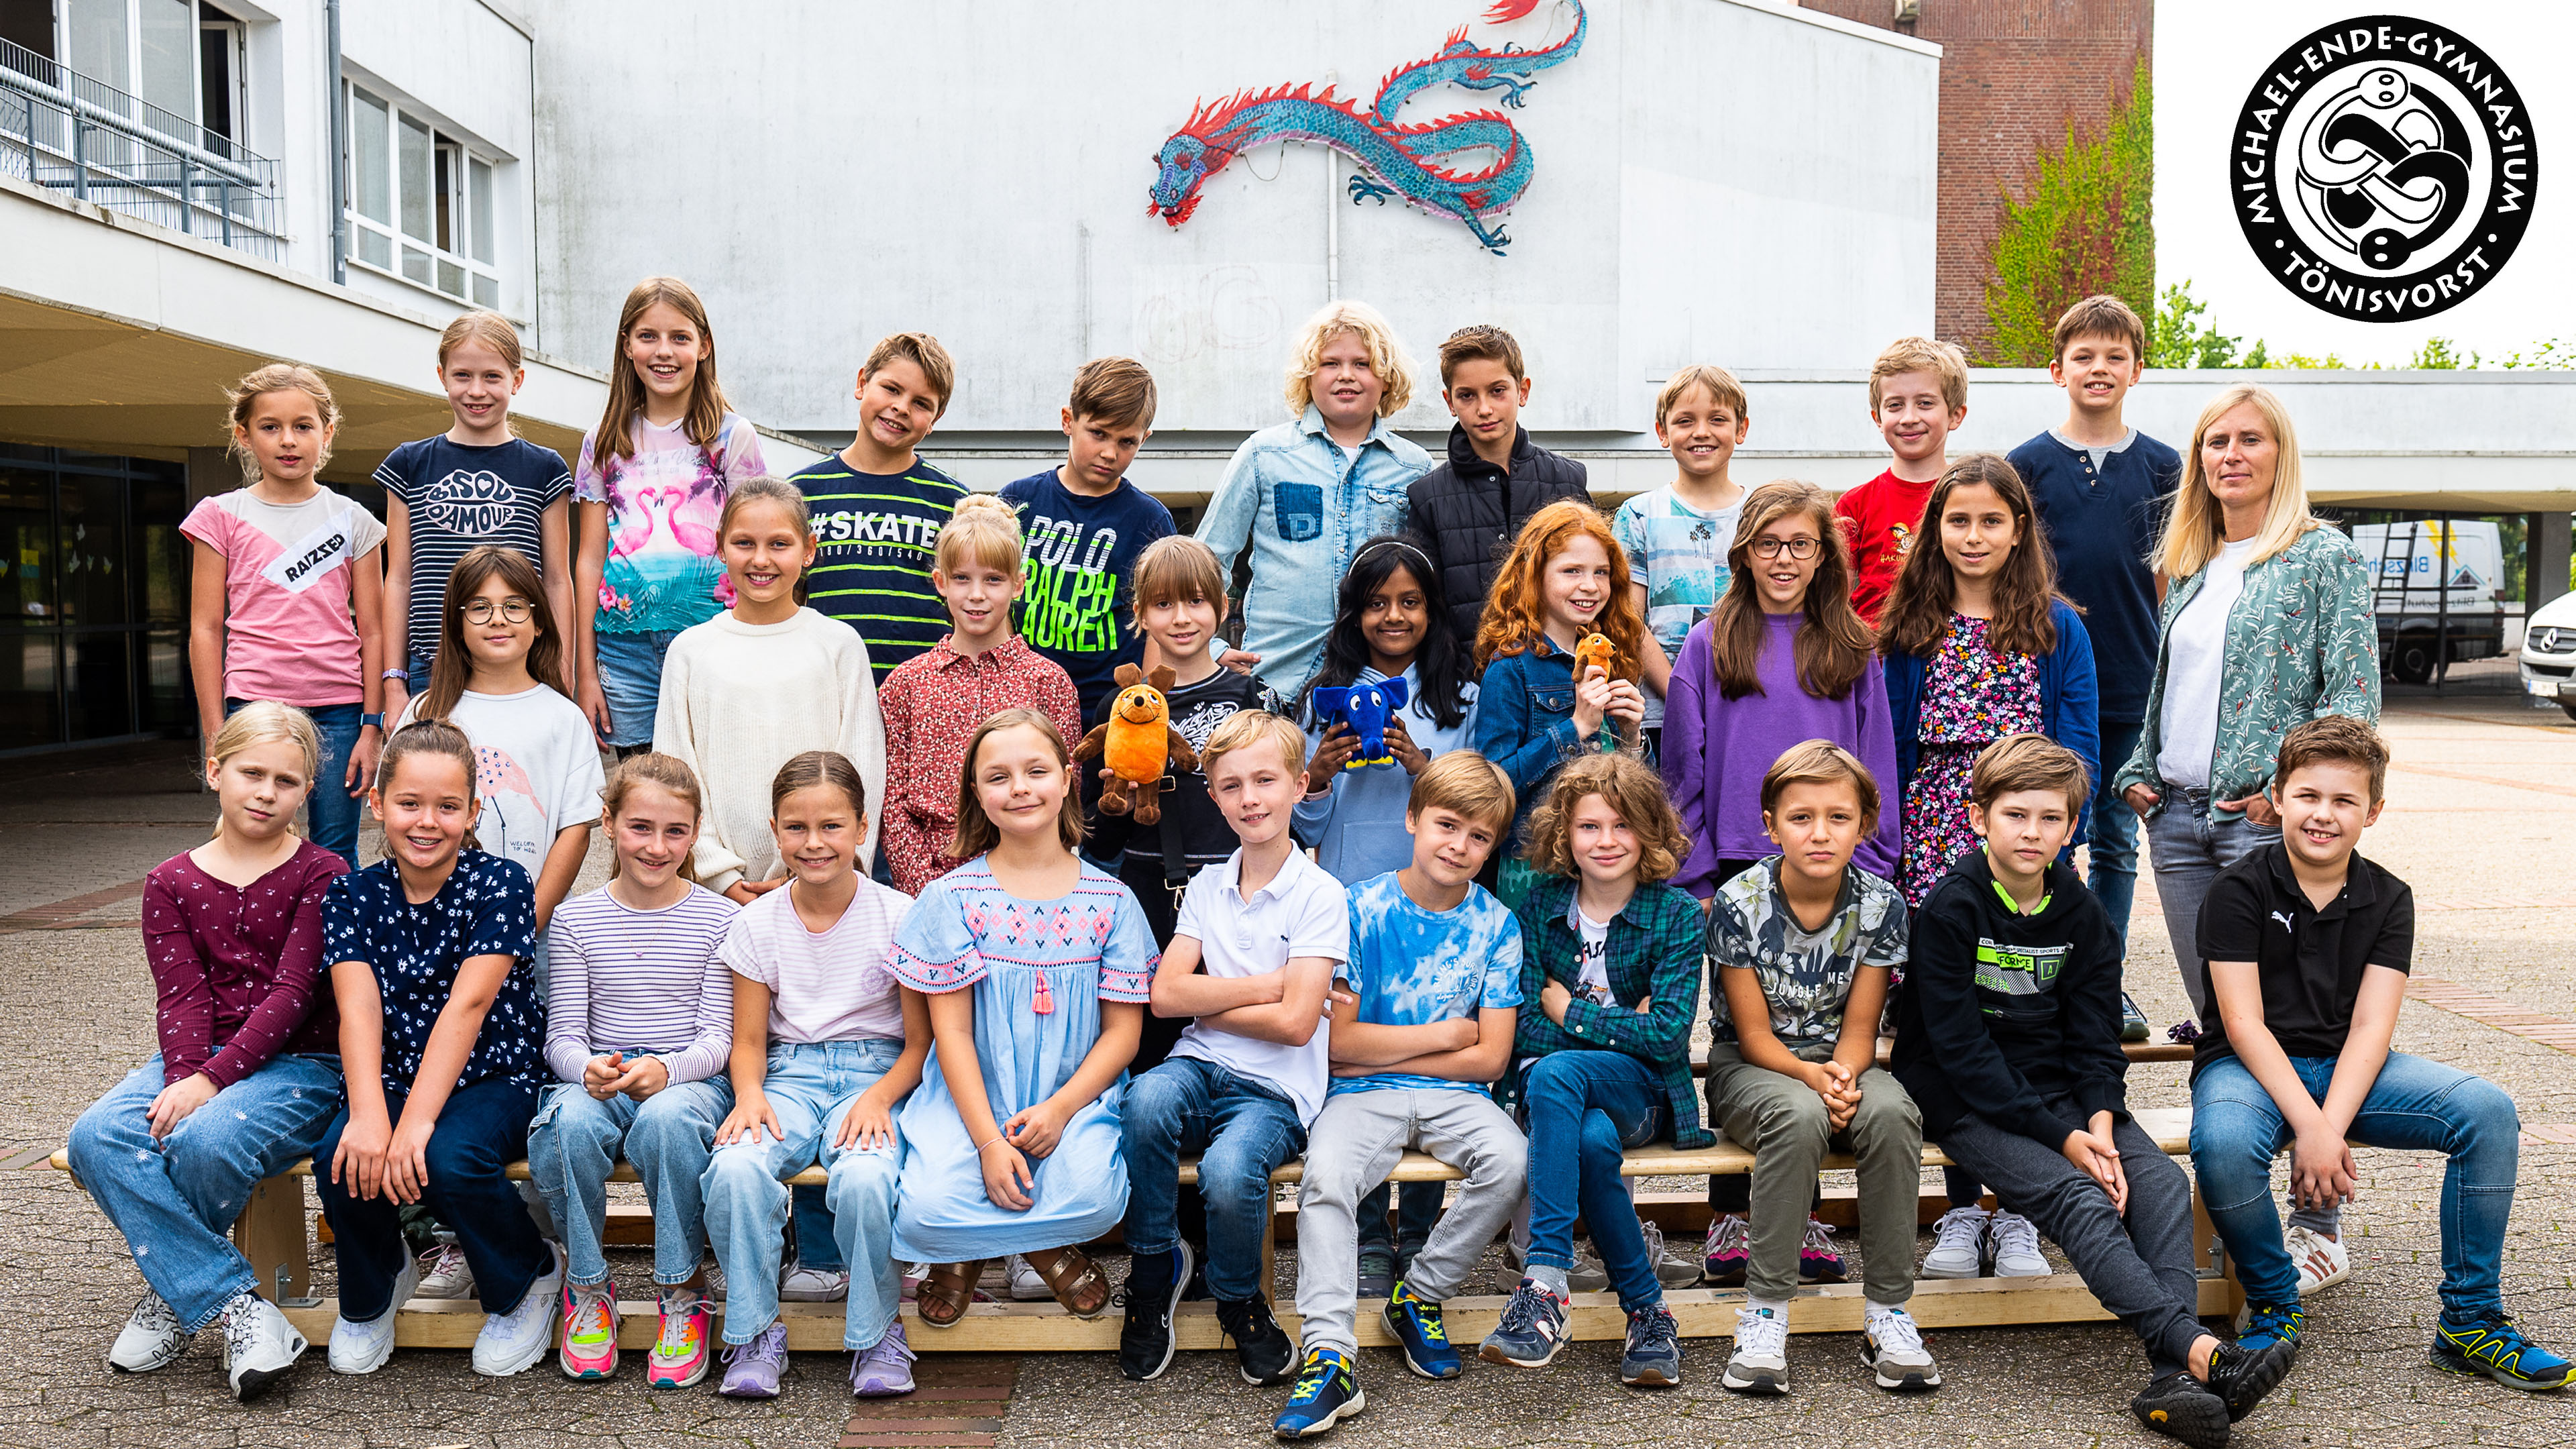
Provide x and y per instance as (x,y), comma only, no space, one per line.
(239,971)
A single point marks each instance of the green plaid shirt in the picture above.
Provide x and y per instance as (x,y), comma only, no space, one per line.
(1654,951)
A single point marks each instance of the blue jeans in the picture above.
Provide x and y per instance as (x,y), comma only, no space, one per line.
(480,1132)
(2111,837)
(575,1143)
(811,1086)
(1582,1109)
(2191,847)
(175,1198)
(630,675)
(1242,1128)
(330,812)
(2415,1105)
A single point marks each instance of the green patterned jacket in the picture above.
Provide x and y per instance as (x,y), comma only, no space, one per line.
(1654,951)
(2302,644)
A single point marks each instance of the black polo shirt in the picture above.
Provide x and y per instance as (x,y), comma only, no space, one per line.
(2310,960)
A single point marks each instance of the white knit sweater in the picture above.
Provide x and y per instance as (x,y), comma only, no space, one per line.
(739,700)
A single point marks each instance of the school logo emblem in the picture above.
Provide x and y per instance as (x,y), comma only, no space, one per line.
(2384,169)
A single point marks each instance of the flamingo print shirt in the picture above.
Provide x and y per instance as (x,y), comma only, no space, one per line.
(536,769)
(663,503)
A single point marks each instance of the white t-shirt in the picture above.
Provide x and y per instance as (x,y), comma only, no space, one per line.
(828,985)
(1592,960)
(536,769)
(2195,654)
(1302,912)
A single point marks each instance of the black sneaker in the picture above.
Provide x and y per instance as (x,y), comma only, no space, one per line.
(1154,1282)
(1377,1272)
(2181,1407)
(1261,1347)
(2241,1376)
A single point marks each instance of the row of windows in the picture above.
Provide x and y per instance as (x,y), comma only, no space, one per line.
(421,205)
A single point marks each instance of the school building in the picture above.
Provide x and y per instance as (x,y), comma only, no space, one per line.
(191,187)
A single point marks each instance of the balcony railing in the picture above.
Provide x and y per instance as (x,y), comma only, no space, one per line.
(69,133)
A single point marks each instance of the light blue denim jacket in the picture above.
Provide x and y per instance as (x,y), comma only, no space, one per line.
(1305,506)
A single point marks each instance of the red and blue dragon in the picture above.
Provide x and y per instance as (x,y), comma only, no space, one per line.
(1391,158)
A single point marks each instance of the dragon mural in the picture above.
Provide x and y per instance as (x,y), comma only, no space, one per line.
(1391,158)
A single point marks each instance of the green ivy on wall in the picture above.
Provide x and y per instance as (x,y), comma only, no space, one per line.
(2085,225)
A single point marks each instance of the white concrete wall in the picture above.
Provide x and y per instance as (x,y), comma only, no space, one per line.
(980,171)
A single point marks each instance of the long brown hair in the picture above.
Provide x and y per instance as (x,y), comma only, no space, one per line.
(431,737)
(1833,644)
(454,667)
(976,833)
(1918,608)
(663,772)
(1514,621)
(705,418)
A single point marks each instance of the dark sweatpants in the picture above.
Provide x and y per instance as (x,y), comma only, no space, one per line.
(2142,1271)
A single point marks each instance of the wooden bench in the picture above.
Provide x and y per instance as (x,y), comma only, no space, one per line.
(273,1233)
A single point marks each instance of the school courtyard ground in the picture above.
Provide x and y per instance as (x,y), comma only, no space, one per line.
(2481,819)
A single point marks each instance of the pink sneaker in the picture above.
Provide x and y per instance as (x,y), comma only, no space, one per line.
(589,1330)
(679,1358)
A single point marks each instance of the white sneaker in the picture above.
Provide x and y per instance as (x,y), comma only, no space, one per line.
(2014,1241)
(1671,1268)
(1958,1244)
(514,1340)
(150,1339)
(800,1284)
(362,1348)
(2323,1261)
(259,1346)
(1760,1363)
(1026,1285)
(1892,1346)
(444,1273)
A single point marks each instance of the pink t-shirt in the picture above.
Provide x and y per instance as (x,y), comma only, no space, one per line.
(289,588)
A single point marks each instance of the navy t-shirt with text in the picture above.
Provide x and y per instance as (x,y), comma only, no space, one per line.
(1081,566)
(457,498)
(877,536)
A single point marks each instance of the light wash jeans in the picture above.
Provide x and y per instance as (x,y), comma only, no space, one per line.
(176,1198)
(2415,1105)
(575,1143)
(630,679)
(811,1086)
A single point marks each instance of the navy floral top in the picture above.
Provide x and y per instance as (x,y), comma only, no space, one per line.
(487,908)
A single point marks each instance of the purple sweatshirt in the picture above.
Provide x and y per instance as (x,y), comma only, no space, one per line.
(1716,751)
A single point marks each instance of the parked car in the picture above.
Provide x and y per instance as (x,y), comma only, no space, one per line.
(2434,581)
(2549,653)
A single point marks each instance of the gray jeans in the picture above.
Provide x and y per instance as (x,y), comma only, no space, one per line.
(1351,1148)
(2140,1269)
(1783,1121)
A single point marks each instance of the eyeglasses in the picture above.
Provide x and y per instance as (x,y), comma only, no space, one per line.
(513,611)
(1797,548)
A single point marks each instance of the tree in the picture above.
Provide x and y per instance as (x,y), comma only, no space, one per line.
(2086,225)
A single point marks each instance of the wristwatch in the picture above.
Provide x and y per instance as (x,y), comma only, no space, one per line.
(377,719)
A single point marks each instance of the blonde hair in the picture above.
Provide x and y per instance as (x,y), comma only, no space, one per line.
(923,351)
(1822,762)
(976,833)
(260,722)
(1175,566)
(1922,354)
(704,421)
(1719,383)
(1386,356)
(1634,790)
(1468,783)
(486,327)
(983,530)
(1246,728)
(2029,761)
(2192,533)
(259,382)
(663,772)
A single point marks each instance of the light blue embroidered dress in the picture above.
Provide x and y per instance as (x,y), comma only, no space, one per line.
(1039,971)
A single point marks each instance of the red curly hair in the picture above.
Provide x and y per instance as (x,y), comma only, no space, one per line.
(1513,623)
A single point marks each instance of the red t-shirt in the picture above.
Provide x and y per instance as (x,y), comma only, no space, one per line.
(1880,519)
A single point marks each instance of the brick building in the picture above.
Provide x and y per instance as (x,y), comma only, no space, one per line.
(2014,75)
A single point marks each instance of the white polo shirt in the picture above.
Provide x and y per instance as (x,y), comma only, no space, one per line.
(1302,912)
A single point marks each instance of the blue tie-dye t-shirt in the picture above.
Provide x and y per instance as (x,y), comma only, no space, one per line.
(1412,967)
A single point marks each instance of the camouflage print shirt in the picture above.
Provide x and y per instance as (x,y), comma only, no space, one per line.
(1806,975)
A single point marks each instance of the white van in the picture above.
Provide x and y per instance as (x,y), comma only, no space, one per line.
(2433,580)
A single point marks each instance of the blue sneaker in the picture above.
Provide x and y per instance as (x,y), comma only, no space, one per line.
(1417,1326)
(2266,1324)
(1327,1392)
(2494,1347)
(1532,1330)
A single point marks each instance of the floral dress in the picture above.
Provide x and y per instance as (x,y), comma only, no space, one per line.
(1972,697)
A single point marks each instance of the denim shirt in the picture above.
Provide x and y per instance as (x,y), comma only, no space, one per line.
(1305,506)
(2302,644)
(1525,722)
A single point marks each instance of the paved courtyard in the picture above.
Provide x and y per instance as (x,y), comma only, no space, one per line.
(2478,820)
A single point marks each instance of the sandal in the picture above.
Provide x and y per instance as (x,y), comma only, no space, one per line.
(945,1291)
(1075,1280)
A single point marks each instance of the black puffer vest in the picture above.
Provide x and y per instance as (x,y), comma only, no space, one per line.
(1471,511)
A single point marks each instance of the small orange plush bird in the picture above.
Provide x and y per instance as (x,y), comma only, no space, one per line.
(1137,746)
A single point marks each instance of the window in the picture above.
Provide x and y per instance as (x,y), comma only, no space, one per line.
(145,48)
(421,202)
(223,101)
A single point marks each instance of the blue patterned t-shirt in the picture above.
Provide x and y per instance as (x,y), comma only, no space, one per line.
(1412,967)
(1678,555)
(487,908)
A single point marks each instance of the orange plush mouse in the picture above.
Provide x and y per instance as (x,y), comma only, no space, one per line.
(1137,746)
(1596,649)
